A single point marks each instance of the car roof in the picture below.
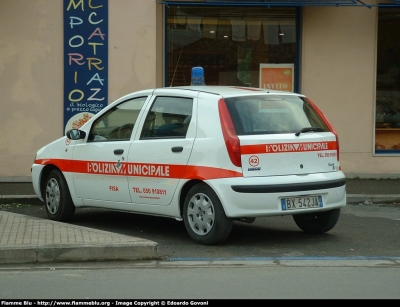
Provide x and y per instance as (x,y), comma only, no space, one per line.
(226,91)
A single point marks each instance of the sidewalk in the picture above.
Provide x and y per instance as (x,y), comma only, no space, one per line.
(373,190)
(26,239)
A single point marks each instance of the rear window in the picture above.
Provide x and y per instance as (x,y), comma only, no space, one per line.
(272,114)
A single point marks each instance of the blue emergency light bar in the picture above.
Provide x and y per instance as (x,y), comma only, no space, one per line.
(197,76)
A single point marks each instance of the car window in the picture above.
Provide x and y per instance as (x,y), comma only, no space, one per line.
(118,122)
(272,114)
(169,117)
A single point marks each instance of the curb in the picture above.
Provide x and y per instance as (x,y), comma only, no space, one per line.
(143,250)
(377,198)
(17,196)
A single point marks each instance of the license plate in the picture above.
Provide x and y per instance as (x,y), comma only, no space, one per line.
(302,202)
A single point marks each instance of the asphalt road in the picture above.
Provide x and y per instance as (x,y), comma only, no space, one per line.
(249,282)
(363,230)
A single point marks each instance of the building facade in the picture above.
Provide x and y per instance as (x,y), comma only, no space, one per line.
(344,55)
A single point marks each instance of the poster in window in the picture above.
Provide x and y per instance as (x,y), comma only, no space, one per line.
(277,77)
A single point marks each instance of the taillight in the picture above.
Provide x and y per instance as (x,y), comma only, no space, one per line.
(326,121)
(231,139)
(337,143)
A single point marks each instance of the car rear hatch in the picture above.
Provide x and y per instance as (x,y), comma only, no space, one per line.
(283,134)
(285,154)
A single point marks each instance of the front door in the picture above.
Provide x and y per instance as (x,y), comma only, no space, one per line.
(100,167)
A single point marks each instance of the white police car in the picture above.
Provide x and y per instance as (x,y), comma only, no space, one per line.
(207,155)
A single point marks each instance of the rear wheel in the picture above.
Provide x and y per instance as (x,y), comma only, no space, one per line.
(58,202)
(204,216)
(317,222)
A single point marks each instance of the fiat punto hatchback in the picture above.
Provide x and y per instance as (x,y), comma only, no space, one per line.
(204,155)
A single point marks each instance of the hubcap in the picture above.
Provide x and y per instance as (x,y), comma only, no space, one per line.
(201,215)
(52,196)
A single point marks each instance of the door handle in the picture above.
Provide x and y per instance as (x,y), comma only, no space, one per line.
(118,151)
(177,149)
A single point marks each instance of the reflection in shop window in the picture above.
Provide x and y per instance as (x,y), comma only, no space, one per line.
(387,122)
(228,42)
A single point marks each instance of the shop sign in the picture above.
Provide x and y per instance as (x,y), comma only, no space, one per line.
(277,77)
(85,60)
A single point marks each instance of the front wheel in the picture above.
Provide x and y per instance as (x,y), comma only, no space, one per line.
(204,216)
(58,202)
(317,222)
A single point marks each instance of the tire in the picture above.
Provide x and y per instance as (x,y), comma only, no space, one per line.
(204,216)
(317,222)
(58,202)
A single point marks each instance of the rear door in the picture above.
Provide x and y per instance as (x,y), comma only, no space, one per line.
(162,147)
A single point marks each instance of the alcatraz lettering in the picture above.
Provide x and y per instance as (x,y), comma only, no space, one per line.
(289,147)
(130,169)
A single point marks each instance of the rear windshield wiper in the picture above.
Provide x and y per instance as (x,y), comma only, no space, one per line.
(309,129)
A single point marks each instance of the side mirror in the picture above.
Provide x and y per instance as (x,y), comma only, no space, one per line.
(75,134)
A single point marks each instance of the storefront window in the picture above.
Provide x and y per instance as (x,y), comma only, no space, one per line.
(387,123)
(230,43)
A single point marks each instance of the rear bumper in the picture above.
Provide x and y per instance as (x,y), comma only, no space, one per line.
(261,196)
(293,187)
